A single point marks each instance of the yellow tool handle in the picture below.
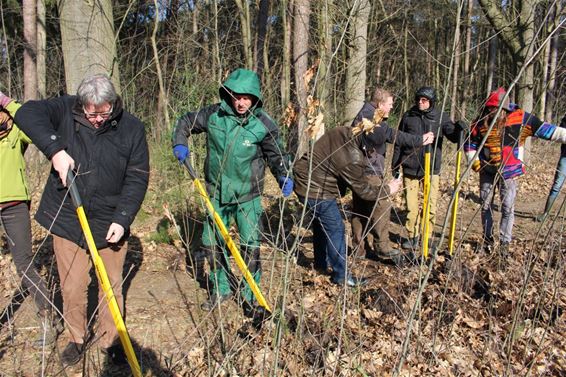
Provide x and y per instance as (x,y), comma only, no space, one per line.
(426,206)
(229,242)
(460,143)
(103,279)
(455,206)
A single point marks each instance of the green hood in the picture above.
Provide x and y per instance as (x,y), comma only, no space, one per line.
(241,81)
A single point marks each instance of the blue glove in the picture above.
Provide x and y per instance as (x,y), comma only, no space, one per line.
(181,152)
(286,184)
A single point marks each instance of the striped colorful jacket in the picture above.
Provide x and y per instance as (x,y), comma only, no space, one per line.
(505,146)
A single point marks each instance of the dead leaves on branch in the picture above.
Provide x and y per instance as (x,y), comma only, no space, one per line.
(366,125)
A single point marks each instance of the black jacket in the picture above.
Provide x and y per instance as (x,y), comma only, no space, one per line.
(376,153)
(112,163)
(417,122)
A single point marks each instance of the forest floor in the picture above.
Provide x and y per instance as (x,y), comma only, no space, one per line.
(476,314)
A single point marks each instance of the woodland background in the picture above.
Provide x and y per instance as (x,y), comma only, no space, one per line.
(318,61)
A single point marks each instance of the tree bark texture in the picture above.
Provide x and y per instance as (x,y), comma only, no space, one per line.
(302,12)
(29,8)
(518,35)
(356,69)
(87,35)
(41,45)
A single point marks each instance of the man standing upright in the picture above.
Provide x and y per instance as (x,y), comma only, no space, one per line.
(500,160)
(372,217)
(92,134)
(421,118)
(242,140)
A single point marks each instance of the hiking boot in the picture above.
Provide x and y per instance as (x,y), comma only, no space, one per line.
(540,218)
(213,301)
(488,245)
(397,258)
(258,314)
(504,250)
(351,281)
(410,243)
(49,330)
(116,354)
(72,353)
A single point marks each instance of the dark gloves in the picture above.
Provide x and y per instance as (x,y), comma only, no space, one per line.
(462,126)
(286,184)
(181,152)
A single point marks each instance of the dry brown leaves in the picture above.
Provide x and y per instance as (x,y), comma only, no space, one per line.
(367,125)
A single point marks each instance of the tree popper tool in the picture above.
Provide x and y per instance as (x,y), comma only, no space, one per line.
(103,279)
(227,239)
(456,194)
(426,202)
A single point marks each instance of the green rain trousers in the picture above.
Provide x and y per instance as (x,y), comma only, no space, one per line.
(247,216)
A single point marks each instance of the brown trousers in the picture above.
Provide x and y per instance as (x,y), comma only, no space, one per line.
(74,264)
(370,225)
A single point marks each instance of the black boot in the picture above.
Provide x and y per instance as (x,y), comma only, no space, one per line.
(213,301)
(72,353)
(549,202)
(410,243)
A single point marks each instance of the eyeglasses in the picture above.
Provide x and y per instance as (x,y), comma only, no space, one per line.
(423,99)
(104,114)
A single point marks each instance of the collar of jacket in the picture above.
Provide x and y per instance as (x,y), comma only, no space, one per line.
(80,118)
(431,114)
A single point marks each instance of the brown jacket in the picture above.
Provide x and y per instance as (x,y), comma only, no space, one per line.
(338,162)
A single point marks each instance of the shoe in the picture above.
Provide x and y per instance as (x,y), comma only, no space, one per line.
(540,218)
(72,353)
(213,301)
(49,330)
(116,355)
(397,258)
(323,270)
(504,250)
(410,243)
(351,281)
(488,245)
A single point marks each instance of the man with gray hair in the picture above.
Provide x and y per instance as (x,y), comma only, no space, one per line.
(92,134)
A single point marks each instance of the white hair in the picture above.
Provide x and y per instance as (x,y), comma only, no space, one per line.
(96,90)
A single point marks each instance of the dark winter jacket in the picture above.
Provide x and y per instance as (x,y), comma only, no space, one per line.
(416,122)
(338,162)
(238,146)
(376,153)
(112,163)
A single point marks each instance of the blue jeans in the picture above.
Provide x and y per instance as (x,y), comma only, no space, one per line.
(559,177)
(329,241)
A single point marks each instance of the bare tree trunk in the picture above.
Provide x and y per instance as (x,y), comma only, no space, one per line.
(260,40)
(244,8)
(406,66)
(87,35)
(356,70)
(302,13)
(491,64)
(286,63)
(30,49)
(163,105)
(456,68)
(553,63)
(325,52)
(41,45)
(468,52)
(518,35)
